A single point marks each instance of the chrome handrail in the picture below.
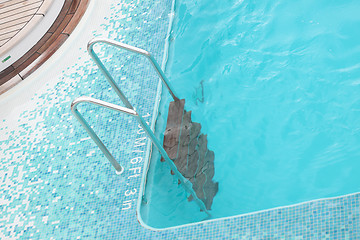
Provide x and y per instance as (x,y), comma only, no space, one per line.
(127,47)
(119,169)
(90,131)
(129,110)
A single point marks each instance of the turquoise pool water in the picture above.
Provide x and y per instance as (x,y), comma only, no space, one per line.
(275,86)
(56,183)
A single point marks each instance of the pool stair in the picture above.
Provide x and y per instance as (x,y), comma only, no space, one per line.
(186,146)
(199,185)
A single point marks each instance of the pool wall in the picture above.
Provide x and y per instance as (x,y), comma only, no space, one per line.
(56,183)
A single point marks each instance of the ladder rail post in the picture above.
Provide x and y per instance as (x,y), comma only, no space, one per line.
(119,169)
(164,79)
(129,110)
(186,183)
(109,77)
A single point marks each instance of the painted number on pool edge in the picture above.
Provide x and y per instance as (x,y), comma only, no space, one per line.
(130,192)
(135,170)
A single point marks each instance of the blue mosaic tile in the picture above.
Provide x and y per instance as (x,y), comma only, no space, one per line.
(56,184)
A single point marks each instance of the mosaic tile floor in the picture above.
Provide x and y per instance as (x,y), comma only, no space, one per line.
(56,184)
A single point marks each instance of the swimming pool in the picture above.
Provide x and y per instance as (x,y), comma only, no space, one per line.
(56,183)
(275,86)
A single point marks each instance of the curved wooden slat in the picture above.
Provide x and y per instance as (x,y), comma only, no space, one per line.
(63,26)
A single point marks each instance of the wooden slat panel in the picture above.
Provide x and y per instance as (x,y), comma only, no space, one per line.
(33,50)
(61,16)
(7,77)
(15,22)
(76,18)
(28,61)
(8,35)
(49,46)
(45,56)
(19,5)
(11,2)
(6,74)
(3,41)
(9,84)
(55,35)
(69,16)
(23,11)
(17,17)
(74,6)
(12,28)
(20,35)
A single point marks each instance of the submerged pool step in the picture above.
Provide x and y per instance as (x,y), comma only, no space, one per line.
(187,147)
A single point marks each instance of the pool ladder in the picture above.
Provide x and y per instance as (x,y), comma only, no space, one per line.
(128,110)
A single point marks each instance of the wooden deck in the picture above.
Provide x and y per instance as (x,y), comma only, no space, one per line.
(187,147)
(16,15)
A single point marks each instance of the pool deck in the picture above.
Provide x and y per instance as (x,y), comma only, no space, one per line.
(28,14)
(56,184)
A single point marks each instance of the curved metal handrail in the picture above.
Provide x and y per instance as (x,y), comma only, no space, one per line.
(90,131)
(129,110)
(119,169)
(127,47)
